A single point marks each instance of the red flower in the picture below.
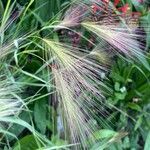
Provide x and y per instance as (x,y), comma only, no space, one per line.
(116,2)
(124,8)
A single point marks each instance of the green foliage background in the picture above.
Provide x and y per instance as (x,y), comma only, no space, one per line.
(129,83)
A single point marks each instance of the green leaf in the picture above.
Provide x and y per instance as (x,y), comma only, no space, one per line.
(17,129)
(143,60)
(126,143)
(57,141)
(134,106)
(138,123)
(104,133)
(40,113)
(27,143)
(1,8)
(117,77)
(147,143)
(117,86)
(120,96)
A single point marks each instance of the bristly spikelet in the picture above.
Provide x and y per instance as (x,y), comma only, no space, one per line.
(119,38)
(9,29)
(75,15)
(115,30)
(78,82)
(78,72)
(10,105)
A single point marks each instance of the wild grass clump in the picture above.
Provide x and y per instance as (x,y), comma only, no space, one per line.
(60,81)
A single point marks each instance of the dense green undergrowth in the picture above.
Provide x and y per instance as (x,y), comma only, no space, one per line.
(30,36)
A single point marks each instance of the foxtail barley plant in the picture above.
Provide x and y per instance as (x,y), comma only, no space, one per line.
(79,73)
(77,65)
(9,102)
(10,105)
(78,80)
